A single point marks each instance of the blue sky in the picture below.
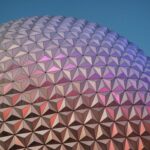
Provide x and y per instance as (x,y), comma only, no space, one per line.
(130,18)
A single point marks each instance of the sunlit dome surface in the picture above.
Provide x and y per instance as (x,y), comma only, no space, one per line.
(69,84)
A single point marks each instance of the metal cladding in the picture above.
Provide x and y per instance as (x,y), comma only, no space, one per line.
(68,84)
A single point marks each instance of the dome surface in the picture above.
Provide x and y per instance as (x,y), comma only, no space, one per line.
(69,84)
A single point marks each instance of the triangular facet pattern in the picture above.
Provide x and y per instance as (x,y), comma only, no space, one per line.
(68,84)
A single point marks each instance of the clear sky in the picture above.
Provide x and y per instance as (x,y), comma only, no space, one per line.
(130,18)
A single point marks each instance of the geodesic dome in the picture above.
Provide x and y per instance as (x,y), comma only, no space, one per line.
(69,84)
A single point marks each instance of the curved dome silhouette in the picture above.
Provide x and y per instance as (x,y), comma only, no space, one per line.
(69,84)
